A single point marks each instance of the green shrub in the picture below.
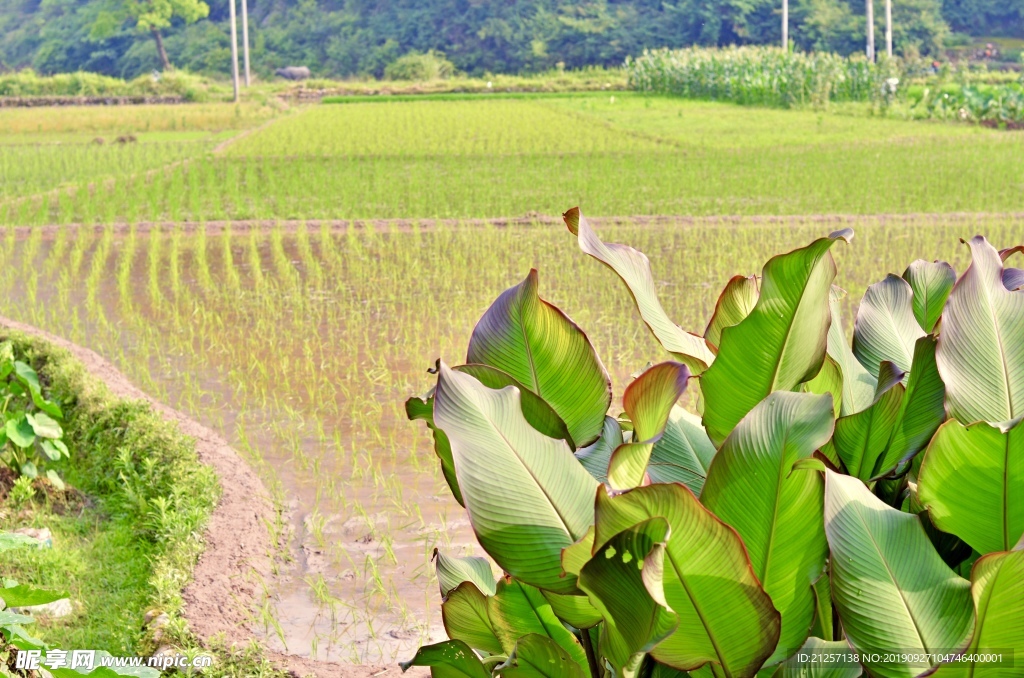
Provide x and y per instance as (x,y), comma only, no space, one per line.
(420,66)
(27,83)
(824,499)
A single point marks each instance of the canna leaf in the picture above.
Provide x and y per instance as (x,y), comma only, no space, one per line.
(931,283)
(615,580)
(635,270)
(997,585)
(596,457)
(684,452)
(819,658)
(980,353)
(450,659)
(465,617)
(858,384)
(518,609)
(828,381)
(501,461)
(781,344)
(886,329)
(537,656)
(972,482)
(921,412)
(453,571)
(574,610)
(648,400)
(734,304)
(860,439)
(725,616)
(777,511)
(890,587)
(544,351)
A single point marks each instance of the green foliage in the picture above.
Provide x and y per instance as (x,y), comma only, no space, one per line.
(431,65)
(26,83)
(800,515)
(31,436)
(766,76)
(344,39)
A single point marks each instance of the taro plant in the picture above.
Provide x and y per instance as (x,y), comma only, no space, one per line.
(31,435)
(830,508)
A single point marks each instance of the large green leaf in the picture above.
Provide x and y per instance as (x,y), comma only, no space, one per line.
(819,658)
(931,283)
(423,408)
(502,462)
(537,412)
(998,590)
(518,609)
(777,511)
(725,616)
(574,610)
(886,328)
(972,482)
(781,344)
(635,270)
(648,400)
(684,452)
(858,384)
(537,656)
(734,304)
(829,380)
(541,348)
(466,618)
(891,588)
(24,595)
(453,571)
(862,438)
(921,412)
(450,659)
(595,457)
(981,348)
(614,580)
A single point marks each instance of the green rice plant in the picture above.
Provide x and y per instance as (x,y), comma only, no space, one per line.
(825,499)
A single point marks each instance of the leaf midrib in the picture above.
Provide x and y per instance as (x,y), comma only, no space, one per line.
(532,475)
(892,578)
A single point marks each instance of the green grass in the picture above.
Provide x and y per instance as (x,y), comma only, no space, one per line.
(130,544)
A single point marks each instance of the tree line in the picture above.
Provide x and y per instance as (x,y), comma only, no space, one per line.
(341,38)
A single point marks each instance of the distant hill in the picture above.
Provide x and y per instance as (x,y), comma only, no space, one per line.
(362,37)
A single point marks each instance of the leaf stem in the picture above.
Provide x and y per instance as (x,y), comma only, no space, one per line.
(588,646)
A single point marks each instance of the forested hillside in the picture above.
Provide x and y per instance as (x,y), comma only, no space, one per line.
(361,37)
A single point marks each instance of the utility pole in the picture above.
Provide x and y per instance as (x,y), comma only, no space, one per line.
(871,30)
(785,25)
(245,38)
(234,48)
(889,28)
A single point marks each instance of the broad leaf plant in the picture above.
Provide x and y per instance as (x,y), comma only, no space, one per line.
(828,509)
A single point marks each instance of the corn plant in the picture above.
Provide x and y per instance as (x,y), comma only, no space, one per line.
(765,76)
(816,515)
(31,433)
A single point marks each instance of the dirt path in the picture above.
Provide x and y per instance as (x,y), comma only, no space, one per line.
(223,593)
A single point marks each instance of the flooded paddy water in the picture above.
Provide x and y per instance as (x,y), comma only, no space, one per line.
(300,343)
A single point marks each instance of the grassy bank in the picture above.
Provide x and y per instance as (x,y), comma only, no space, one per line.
(127,534)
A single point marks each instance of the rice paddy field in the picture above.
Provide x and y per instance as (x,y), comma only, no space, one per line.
(288,276)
